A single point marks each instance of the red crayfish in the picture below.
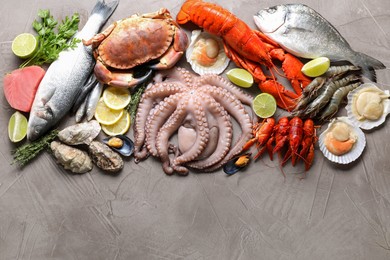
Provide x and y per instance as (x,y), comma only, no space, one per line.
(297,136)
(248,49)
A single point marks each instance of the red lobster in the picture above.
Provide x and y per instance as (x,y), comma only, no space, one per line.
(248,49)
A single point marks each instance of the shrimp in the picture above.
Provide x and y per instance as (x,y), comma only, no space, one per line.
(336,100)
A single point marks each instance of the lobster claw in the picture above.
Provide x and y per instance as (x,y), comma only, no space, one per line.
(285,98)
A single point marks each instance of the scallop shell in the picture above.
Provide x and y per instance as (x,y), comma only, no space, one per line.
(356,151)
(367,124)
(222,60)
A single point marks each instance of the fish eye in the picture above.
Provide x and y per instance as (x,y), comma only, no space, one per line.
(272,10)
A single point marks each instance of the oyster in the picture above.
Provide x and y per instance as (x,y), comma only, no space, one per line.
(121,144)
(342,142)
(82,133)
(105,158)
(206,53)
(368,106)
(71,158)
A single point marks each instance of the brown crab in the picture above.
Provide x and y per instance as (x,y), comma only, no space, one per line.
(134,41)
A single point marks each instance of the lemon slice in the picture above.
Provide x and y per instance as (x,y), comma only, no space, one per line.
(17,127)
(24,45)
(316,67)
(240,77)
(120,127)
(116,98)
(264,105)
(106,115)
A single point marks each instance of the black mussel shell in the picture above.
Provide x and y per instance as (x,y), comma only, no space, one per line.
(126,149)
(231,168)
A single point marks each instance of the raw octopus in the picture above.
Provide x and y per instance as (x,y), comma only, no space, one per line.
(199,109)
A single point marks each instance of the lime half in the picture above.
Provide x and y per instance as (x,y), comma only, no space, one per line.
(25,45)
(240,77)
(316,67)
(264,105)
(17,127)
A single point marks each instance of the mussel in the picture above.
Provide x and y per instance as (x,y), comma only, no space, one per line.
(121,144)
(237,163)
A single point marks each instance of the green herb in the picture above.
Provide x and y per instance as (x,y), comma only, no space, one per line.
(135,98)
(51,41)
(27,152)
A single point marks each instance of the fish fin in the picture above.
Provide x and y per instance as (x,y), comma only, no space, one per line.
(368,65)
(105,9)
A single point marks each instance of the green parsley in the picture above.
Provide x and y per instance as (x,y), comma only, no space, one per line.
(53,39)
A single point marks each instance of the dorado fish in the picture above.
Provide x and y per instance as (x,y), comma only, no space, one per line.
(305,33)
(66,76)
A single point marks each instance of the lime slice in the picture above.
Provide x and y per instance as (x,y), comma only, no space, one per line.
(116,98)
(120,127)
(17,127)
(316,67)
(240,77)
(106,115)
(25,45)
(264,105)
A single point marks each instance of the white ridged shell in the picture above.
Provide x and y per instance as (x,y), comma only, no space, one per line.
(222,60)
(356,151)
(366,124)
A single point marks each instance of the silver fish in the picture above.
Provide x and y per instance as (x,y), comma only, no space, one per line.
(66,76)
(305,33)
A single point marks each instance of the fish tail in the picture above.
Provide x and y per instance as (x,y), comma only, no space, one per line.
(368,65)
(105,9)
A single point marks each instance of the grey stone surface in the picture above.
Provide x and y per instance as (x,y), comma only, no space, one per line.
(335,213)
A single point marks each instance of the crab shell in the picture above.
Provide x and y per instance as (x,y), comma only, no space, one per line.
(136,40)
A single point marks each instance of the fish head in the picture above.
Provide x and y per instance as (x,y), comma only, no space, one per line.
(271,19)
(39,123)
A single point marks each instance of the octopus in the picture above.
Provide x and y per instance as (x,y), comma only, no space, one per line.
(186,121)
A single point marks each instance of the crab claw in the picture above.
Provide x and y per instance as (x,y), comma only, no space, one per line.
(118,79)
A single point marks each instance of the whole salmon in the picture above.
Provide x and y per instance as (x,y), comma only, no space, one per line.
(305,33)
(66,76)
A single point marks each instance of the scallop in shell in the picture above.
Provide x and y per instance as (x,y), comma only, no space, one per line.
(206,53)
(368,106)
(342,142)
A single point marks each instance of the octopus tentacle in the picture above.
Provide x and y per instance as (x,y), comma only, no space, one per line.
(157,118)
(215,80)
(235,108)
(148,100)
(197,114)
(166,131)
(225,131)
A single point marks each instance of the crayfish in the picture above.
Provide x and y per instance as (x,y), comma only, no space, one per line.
(248,49)
(298,137)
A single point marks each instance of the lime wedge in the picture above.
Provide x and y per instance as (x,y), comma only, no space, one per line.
(240,77)
(25,45)
(17,127)
(264,105)
(316,67)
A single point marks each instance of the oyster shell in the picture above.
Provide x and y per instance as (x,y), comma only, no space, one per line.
(82,133)
(121,144)
(368,106)
(206,53)
(73,159)
(342,142)
(105,158)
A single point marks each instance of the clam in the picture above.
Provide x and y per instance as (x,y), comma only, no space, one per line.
(368,106)
(206,53)
(342,142)
(121,144)
(236,164)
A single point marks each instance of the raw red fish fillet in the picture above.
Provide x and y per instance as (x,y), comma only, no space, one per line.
(21,85)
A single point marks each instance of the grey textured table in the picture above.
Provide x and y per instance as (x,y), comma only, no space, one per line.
(335,213)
